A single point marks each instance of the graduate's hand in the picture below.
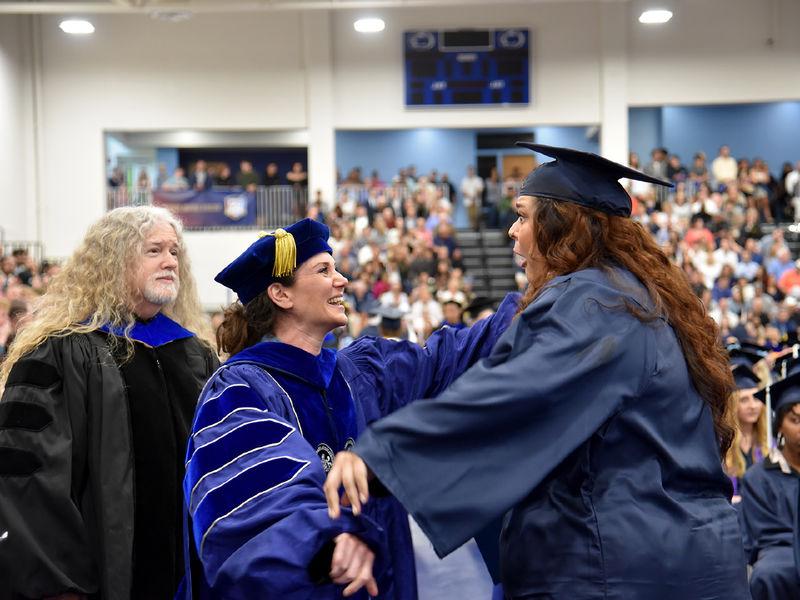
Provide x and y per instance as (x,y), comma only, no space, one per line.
(351,472)
(352,564)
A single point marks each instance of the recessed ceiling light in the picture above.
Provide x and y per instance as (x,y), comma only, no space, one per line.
(655,16)
(369,25)
(76,26)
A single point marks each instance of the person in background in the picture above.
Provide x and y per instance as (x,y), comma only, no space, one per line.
(223,177)
(770,507)
(200,179)
(453,314)
(297,177)
(177,182)
(162,175)
(471,192)
(271,176)
(724,168)
(602,413)
(750,444)
(493,192)
(100,388)
(246,177)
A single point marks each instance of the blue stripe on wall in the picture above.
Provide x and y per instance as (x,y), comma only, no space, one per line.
(768,130)
(446,150)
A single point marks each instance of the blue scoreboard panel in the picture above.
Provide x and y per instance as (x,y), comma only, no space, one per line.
(467,66)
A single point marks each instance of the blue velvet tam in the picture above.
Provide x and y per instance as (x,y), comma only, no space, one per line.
(273,256)
(582,178)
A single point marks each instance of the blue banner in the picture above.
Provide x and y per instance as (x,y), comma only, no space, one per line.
(210,208)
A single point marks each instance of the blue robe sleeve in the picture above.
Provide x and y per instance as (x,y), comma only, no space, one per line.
(253,488)
(562,370)
(396,372)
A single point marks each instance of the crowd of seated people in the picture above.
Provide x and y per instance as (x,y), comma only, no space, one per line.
(22,280)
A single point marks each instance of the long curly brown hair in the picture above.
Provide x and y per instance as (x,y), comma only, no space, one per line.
(570,237)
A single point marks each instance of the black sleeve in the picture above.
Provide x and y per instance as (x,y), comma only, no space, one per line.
(42,424)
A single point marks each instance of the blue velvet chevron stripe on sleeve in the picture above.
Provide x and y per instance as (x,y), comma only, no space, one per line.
(231,445)
(247,485)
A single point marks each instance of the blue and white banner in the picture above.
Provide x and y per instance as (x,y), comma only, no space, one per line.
(210,208)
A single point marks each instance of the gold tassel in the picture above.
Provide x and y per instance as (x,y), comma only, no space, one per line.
(285,253)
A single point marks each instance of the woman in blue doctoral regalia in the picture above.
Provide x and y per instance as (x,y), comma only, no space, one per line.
(597,424)
(771,501)
(270,420)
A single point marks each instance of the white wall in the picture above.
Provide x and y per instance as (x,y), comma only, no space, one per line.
(17,206)
(368,70)
(209,252)
(212,72)
(716,52)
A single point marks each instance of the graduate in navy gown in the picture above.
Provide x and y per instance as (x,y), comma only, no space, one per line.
(771,501)
(271,419)
(597,424)
(750,444)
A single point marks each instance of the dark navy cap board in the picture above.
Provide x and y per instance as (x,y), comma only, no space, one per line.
(745,378)
(273,256)
(582,178)
(745,354)
(391,316)
(784,392)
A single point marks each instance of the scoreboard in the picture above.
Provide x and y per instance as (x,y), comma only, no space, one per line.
(467,66)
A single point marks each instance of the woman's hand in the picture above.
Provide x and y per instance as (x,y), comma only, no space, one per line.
(351,472)
(352,564)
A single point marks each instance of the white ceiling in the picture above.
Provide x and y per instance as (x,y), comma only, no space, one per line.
(223,6)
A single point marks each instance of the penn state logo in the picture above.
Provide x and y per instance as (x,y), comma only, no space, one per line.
(235,207)
(348,445)
(325,454)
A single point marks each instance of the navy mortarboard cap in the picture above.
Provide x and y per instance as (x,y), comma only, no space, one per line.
(583,178)
(479,304)
(782,393)
(391,316)
(745,378)
(745,353)
(272,256)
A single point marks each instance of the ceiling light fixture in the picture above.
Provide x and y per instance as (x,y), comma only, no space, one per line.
(371,25)
(76,26)
(658,16)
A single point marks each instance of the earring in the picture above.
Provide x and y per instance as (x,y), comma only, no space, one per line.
(781,440)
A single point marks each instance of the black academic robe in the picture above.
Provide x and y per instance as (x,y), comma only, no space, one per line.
(584,424)
(84,497)
(770,506)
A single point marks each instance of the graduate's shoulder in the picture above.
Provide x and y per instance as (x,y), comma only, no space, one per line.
(240,373)
(608,287)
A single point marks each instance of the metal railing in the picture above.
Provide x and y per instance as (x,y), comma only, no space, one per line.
(276,206)
(34,249)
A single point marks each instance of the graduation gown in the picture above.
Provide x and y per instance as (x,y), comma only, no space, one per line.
(770,505)
(267,427)
(76,453)
(584,425)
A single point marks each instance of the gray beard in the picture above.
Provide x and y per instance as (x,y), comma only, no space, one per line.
(160,294)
